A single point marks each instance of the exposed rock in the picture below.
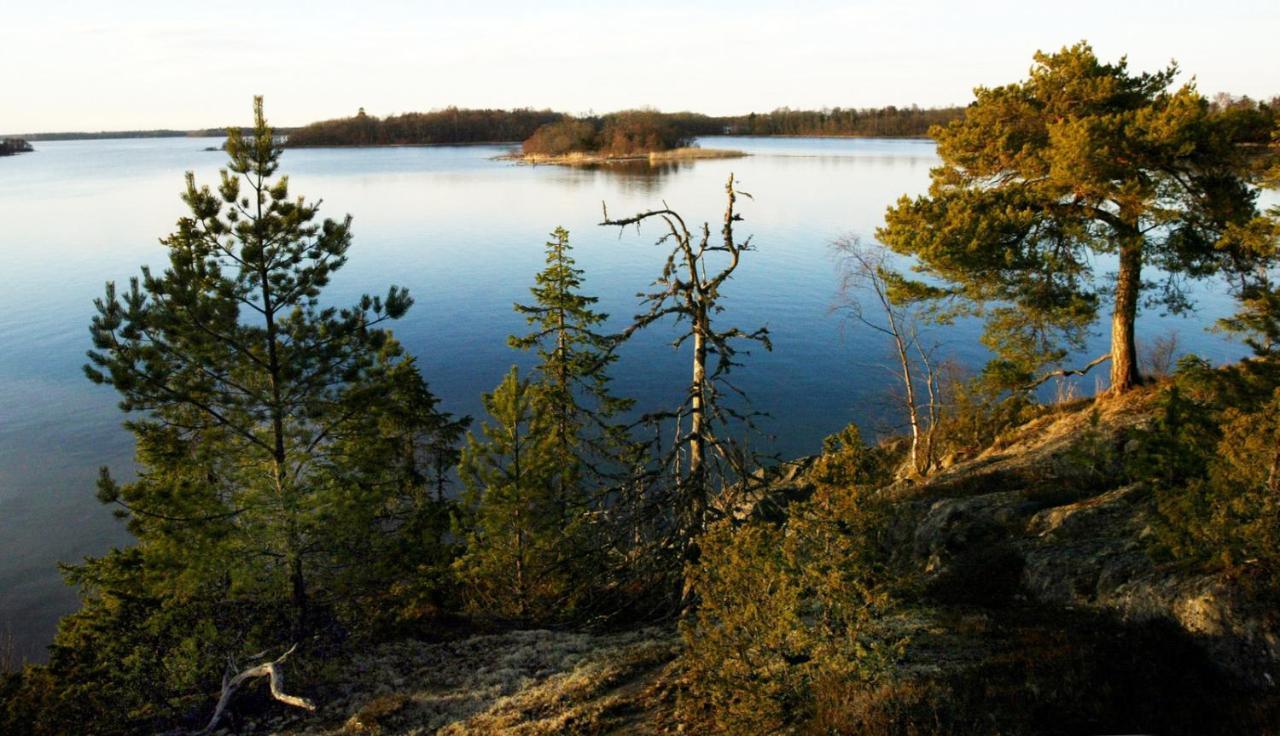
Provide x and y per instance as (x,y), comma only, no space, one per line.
(1053,504)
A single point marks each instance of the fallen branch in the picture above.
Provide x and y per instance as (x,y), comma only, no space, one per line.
(271,669)
(1068,372)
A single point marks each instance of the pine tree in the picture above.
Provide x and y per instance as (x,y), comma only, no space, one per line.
(1081,158)
(705,458)
(266,460)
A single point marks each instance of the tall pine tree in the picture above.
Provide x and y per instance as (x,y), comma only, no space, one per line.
(261,416)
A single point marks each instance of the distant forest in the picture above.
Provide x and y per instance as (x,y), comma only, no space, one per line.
(460,125)
(107,134)
(451,125)
(454,125)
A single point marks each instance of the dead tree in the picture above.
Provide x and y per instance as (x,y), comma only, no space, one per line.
(274,670)
(866,276)
(689,290)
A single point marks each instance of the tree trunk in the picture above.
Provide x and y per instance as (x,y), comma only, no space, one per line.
(1124,353)
(299,596)
(697,442)
(908,384)
(1273,473)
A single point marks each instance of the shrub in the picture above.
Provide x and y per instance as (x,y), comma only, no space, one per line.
(787,609)
(1208,456)
(975,412)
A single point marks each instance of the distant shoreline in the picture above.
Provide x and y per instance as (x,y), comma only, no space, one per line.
(582,158)
(404,145)
(212,133)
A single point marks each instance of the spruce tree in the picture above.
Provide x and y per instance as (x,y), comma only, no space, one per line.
(574,358)
(519,559)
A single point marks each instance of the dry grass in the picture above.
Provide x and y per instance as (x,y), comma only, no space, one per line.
(594,697)
(683,154)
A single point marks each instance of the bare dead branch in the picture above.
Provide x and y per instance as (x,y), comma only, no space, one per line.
(273,670)
(1067,372)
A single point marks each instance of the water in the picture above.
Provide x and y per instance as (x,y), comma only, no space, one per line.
(465,233)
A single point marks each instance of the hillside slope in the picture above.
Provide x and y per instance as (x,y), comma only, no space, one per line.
(1034,607)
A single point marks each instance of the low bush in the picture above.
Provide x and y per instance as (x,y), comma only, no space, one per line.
(786,609)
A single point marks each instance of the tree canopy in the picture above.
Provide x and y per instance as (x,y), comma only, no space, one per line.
(1080,159)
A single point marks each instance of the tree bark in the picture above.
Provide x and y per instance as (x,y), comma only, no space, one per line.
(697,442)
(1124,353)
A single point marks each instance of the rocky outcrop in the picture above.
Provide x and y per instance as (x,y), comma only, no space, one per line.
(1092,554)
(1049,520)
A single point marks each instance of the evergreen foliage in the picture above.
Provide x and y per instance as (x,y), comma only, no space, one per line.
(450,125)
(787,611)
(524,544)
(255,401)
(539,481)
(1081,158)
(572,370)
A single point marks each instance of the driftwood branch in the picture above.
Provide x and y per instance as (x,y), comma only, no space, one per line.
(1067,372)
(272,670)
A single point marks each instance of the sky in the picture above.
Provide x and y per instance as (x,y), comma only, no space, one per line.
(79,65)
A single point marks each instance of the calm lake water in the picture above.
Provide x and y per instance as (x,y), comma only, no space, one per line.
(465,234)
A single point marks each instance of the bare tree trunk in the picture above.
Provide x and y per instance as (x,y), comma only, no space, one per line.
(697,440)
(908,385)
(935,408)
(1124,353)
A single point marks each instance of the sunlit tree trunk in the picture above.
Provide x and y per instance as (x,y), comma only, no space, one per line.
(1124,354)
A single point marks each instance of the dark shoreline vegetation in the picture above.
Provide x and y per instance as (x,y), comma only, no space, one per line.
(302,504)
(452,125)
(14,146)
(125,134)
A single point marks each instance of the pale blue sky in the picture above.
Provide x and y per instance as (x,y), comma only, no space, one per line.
(76,65)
